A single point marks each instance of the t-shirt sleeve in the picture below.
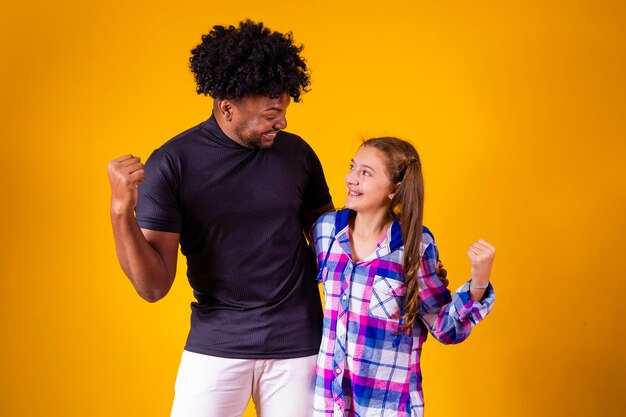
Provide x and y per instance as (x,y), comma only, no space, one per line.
(158,206)
(316,194)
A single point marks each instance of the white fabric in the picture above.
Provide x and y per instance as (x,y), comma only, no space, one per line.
(209,386)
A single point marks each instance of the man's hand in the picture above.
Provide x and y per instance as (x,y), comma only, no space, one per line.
(125,174)
(442,274)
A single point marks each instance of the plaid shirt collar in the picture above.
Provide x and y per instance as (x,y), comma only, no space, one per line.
(391,242)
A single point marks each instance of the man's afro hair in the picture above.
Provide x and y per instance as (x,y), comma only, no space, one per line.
(232,62)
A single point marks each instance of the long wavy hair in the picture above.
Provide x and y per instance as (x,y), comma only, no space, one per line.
(407,206)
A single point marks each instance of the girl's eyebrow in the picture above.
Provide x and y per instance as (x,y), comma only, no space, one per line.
(363,165)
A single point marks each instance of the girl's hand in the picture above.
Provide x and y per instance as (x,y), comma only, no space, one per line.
(481,255)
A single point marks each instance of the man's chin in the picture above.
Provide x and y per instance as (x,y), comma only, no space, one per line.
(264,143)
(261,142)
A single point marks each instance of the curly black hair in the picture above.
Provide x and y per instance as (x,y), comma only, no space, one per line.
(232,62)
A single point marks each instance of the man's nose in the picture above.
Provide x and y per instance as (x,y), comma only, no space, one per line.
(281,123)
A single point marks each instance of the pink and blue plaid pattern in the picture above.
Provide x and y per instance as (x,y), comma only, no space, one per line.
(366,367)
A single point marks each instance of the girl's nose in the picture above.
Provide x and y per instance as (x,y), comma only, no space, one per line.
(351,178)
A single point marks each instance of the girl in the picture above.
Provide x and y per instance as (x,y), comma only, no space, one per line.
(382,295)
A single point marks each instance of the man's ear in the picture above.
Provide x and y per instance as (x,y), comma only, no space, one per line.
(226,108)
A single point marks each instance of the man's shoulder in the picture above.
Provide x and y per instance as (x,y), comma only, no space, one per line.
(292,142)
(291,135)
(181,147)
(182,140)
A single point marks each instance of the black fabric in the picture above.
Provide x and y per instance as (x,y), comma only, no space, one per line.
(238,212)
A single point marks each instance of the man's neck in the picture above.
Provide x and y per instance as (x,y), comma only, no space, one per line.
(226,128)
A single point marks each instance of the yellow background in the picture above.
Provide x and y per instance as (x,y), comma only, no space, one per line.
(518,109)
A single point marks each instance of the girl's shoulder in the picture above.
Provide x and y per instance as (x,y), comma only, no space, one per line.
(330,224)
(337,219)
(325,225)
(427,236)
(325,219)
(428,248)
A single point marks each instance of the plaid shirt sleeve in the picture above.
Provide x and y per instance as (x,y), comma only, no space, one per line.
(449,318)
(323,234)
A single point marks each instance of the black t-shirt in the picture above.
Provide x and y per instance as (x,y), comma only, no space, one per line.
(238,211)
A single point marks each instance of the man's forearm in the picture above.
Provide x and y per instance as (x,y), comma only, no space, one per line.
(140,261)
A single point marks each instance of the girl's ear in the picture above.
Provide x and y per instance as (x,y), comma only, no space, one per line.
(394,190)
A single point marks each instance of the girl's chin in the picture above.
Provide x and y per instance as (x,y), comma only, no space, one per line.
(352,206)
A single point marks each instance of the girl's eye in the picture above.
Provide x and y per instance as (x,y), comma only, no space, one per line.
(367,173)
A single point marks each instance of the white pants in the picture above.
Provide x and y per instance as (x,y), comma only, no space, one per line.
(208,386)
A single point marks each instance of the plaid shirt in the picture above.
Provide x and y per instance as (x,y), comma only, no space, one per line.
(365,366)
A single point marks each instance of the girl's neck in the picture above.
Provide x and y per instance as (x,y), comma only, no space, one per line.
(371,224)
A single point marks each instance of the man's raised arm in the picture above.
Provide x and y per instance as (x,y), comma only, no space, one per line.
(147,257)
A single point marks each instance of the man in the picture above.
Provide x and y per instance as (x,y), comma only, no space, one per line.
(237,193)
